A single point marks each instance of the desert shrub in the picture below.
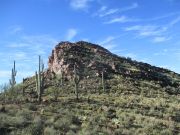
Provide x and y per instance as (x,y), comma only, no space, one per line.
(95,125)
(70,132)
(4,88)
(152,126)
(32,107)
(18,121)
(172,90)
(118,132)
(7,121)
(90,130)
(25,114)
(166,132)
(63,123)
(128,122)
(76,120)
(127,132)
(37,127)
(49,122)
(111,113)
(54,92)
(49,131)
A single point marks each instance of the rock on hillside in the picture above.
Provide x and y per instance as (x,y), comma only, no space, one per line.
(87,57)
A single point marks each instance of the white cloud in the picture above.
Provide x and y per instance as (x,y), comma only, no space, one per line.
(133,28)
(80,4)
(155,32)
(4,73)
(107,40)
(71,33)
(25,74)
(110,46)
(131,55)
(163,52)
(109,43)
(24,49)
(15,29)
(104,11)
(162,16)
(160,39)
(39,44)
(141,28)
(173,22)
(121,19)
(158,33)
(132,6)
(147,30)
(108,12)
(7,73)
(151,30)
(145,60)
(18,45)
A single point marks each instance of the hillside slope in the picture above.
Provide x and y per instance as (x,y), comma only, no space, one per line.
(137,98)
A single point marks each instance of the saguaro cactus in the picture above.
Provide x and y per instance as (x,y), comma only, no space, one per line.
(76,80)
(12,81)
(40,79)
(23,87)
(102,81)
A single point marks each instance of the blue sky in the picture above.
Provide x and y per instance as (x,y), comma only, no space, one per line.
(145,30)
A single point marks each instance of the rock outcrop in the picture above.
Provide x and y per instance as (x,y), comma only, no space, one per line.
(85,55)
(91,60)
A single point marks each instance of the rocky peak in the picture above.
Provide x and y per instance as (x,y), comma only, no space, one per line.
(91,60)
(87,56)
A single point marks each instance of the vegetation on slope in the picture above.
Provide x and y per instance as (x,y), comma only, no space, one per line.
(116,112)
(136,99)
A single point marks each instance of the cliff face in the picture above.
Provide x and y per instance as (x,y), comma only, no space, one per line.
(85,55)
(91,60)
(56,60)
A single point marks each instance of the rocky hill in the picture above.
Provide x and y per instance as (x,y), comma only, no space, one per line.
(92,60)
(117,96)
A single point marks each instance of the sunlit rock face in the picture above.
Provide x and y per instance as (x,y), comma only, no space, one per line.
(84,55)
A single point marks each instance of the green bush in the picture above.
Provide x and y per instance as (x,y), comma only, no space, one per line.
(49,131)
(63,124)
(32,107)
(36,128)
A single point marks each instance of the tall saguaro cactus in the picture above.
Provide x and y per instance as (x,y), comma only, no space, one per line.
(102,81)
(12,81)
(23,87)
(76,80)
(40,79)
